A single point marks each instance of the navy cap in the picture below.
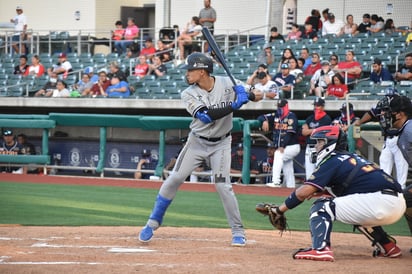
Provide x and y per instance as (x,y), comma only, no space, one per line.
(7,132)
(319,102)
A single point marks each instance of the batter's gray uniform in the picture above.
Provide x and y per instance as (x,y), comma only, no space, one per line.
(210,142)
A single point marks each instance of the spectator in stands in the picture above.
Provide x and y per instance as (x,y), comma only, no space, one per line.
(389,26)
(252,80)
(314,66)
(60,91)
(118,33)
(285,82)
(22,68)
(48,87)
(310,33)
(207,16)
(294,33)
(295,70)
(350,27)
(98,88)
(332,26)
(404,73)
(117,88)
(301,63)
(90,71)
(363,27)
(84,84)
(10,147)
(115,69)
(62,68)
(342,119)
(325,15)
(337,88)
(275,35)
(265,166)
(130,34)
(321,79)
(349,67)
(148,161)
(20,28)
(142,68)
(266,57)
(186,37)
(149,50)
(314,20)
(333,60)
(237,165)
(377,24)
(304,53)
(157,68)
(286,55)
(379,73)
(266,85)
(36,68)
(164,51)
(317,119)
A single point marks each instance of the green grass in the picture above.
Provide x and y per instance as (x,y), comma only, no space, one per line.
(70,205)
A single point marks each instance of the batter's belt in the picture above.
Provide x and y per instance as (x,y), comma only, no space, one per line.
(212,139)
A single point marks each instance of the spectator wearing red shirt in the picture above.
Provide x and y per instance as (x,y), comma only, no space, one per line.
(350,66)
(131,32)
(98,88)
(337,88)
(312,68)
(36,68)
(149,50)
(142,68)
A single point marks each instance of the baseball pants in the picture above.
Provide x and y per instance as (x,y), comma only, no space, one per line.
(309,166)
(284,161)
(390,156)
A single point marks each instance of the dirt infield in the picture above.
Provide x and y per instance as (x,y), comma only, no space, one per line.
(178,250)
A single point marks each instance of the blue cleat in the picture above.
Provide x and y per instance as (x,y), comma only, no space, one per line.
(238,241)
(146,234)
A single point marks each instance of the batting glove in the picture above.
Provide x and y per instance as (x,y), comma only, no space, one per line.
(241,97)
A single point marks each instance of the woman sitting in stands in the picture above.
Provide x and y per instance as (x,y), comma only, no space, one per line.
(36,68)
(117,88)
(337,88)
(142,68)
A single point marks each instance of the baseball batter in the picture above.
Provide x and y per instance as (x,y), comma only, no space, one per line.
(361,195)
(390,153)
(211,100)
(285,140)
(317,119)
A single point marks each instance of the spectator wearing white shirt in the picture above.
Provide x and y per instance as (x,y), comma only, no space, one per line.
(266,85)
(321,79)
(20,26)
(332,26)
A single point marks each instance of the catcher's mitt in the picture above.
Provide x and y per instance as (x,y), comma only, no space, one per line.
(278,220)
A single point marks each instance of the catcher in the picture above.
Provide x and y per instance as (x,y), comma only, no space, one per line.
(361,194)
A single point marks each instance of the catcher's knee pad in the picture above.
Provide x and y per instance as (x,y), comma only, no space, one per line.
(322,214)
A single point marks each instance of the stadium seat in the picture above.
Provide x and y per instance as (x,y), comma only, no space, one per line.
(3,92)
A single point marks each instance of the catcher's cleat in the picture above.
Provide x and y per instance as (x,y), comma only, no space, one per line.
(146,234)
(273,185)
(326,254)
(391,251)
(238,241)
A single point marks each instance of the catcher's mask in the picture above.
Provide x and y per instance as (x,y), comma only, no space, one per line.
(335,139)
(198,60)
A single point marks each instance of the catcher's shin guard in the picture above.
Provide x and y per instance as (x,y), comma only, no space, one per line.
(159,209)
(377,236)
(322,215)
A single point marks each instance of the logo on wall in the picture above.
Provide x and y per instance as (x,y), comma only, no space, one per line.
(74,156)
(114,158)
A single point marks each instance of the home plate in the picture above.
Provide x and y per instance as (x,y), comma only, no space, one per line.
(129,250)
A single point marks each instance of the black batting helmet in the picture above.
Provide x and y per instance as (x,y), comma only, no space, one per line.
(198,61)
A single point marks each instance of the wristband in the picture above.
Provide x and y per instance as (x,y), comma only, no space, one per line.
(292,201)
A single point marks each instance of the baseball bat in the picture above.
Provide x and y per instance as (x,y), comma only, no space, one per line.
(219,55)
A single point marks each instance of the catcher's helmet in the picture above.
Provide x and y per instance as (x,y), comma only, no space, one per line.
(334,137)
(198,60)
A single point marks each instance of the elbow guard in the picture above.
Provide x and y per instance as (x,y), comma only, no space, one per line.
(203,116)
